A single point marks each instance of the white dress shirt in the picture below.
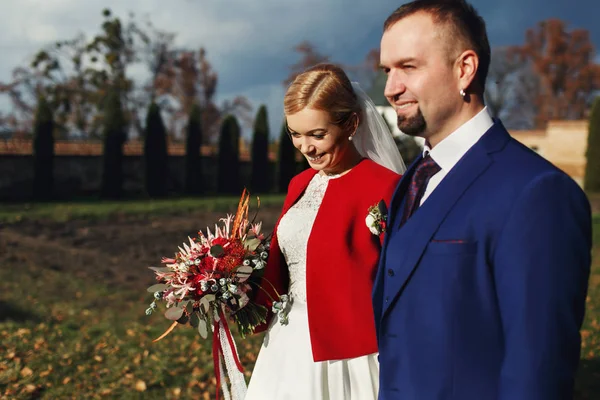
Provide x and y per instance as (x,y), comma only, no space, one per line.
(450,150)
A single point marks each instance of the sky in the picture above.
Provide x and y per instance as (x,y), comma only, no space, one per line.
(250,42)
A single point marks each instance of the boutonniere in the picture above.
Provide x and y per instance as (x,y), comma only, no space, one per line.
(377,218)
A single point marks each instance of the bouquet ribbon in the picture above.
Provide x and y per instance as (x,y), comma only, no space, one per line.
(225,352)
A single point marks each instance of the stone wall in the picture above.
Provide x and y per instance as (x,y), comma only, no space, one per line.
(80,176)
(78,166)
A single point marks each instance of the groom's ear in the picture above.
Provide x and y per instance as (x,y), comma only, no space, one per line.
(467,64)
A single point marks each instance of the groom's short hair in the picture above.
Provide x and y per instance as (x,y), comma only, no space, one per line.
(461,21)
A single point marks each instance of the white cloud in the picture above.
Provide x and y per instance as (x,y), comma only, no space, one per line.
(248,43)
(42,33)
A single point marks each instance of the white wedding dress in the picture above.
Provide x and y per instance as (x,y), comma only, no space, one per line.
(285,368)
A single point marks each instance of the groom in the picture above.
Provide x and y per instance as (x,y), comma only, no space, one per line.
(482,281)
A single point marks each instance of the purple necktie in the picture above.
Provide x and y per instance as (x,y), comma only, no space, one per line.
(418,183)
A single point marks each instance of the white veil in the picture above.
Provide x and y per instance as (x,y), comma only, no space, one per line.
(373,138)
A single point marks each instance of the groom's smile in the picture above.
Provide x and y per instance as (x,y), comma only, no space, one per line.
(423,79)
(405,106)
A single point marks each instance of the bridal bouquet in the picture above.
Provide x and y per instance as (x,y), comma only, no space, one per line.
(208,281)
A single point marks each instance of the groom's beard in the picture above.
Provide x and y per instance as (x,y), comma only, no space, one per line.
(412,125)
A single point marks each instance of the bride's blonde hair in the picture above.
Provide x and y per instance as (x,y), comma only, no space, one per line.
(324,87)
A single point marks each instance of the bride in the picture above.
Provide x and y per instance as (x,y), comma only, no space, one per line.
(321,344)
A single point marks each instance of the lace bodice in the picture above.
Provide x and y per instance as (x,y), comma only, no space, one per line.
(294,229)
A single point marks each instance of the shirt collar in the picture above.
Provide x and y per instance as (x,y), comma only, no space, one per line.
(450,150)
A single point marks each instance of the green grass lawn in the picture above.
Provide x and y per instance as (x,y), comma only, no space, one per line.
(66,336)
(589,374)
(100,210)
(69,336)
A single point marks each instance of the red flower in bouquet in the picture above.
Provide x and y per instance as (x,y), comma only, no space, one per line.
(208,281)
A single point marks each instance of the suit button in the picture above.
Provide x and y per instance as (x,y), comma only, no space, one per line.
(390,272)
(387,299)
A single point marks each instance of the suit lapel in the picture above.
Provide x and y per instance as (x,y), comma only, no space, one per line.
(441,201)
(393,211)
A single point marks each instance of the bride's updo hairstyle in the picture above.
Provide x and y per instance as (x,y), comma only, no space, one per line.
(325,87)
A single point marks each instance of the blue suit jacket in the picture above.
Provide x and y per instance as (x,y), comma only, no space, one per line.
(481,294)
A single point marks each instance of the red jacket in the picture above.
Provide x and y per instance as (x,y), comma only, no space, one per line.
(342,260)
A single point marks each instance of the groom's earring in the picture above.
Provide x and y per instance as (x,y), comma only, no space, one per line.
(462,93)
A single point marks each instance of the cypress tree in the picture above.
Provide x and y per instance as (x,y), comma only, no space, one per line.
(193,158)
(286,160)
(229,157)
(114,134)
(43,151)
(592,169)
(155,154)
(260,153)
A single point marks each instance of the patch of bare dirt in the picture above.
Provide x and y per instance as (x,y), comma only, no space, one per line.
(117,251)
